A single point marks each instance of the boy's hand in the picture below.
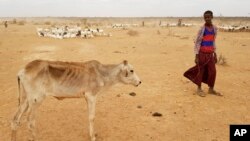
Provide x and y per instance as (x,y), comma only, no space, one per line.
(215,58)
(196,59)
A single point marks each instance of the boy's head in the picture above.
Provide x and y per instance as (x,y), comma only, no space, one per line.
(208,16)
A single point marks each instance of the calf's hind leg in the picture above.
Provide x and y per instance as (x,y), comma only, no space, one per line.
(17,117)
(34,103)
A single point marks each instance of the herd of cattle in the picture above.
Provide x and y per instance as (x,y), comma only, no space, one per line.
(73,32)
(225,28)
(124,26)
(176,24)
(230,28)
(70,32)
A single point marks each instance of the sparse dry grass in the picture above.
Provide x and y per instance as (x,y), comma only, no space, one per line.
(222,60)
(170,32)
(184,37)
(133,33)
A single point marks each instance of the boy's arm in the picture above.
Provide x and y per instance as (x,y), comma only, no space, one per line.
(215,58)
(197,44)
(196,58)
(215,35)
(198,40)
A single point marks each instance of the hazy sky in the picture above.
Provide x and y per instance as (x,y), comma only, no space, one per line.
(122,8)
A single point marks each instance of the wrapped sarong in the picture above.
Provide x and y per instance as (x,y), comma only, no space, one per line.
(204,71)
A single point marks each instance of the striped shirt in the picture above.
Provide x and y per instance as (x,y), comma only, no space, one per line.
(205,40)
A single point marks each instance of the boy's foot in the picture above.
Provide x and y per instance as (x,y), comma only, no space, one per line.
(201,93)
(213,92)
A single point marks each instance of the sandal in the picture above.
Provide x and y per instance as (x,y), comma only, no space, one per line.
(201,93)
(213,92)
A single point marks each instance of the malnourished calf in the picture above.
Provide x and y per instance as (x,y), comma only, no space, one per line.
(41,78)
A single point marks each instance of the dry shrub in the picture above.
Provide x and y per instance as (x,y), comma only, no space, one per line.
(89,25)
(84,21)
(222,60)
(47,23)
(133,33)
(53,25)
(158,32)
(21,22)
(78,24)
(14,21)
(36,23)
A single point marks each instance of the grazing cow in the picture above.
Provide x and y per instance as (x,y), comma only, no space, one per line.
(41,78)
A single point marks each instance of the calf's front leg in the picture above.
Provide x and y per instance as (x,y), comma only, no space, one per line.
(91,101)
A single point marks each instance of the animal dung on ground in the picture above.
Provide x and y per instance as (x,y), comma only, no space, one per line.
(139,106)
(117,52)
(132,94)
(156,114)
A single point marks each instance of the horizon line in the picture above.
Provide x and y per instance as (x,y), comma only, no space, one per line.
(122,17)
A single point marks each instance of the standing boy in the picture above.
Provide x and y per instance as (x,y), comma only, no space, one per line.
(205,57)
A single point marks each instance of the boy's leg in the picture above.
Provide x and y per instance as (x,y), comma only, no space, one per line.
(200,91)
(211,72)
(200,74)
(212,91)
(212,77)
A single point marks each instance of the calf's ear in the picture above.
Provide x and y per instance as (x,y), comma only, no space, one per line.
(125,62)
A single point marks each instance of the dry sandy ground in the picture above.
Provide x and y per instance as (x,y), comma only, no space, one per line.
(160,59)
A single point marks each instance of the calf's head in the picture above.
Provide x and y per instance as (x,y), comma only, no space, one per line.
(128,75)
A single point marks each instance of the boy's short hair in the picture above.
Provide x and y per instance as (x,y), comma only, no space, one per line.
(208,12)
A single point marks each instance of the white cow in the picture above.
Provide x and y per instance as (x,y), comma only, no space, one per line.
(41,78)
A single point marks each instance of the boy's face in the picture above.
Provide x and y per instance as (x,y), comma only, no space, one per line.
(208,18)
